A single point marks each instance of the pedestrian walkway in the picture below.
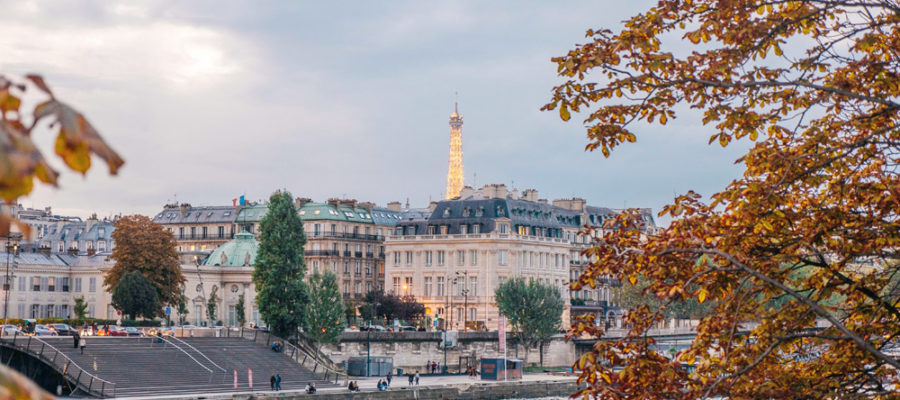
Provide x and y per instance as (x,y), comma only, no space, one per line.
(367,384)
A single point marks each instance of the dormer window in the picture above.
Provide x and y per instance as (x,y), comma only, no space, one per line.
(446,212)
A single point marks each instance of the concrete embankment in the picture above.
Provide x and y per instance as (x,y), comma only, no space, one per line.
(474,391)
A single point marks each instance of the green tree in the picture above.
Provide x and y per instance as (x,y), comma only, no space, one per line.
(629,296)
(146,247)
(280,268)
(211,306)
(135,296)
(532,308)
(182,308)
(80,307)
(325,309)
(239,311)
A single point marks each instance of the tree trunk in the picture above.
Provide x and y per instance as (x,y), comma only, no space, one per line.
(541,351)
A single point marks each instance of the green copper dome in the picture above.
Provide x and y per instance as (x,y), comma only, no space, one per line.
(241,251)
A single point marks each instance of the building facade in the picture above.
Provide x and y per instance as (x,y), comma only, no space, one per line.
(453,257)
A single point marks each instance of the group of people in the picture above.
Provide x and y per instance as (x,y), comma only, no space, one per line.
(433,366)
(382,384)
(277,347)
(353,386)
(275,382)
(414,379)
(79,341)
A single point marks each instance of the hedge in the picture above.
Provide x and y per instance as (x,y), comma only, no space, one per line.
(86,321)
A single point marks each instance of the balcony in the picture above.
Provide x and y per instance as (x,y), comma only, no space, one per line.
(340,235)
(323,253)
(347,254)
(357,254)
(189,237)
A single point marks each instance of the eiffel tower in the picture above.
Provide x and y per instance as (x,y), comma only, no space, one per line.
(455,168)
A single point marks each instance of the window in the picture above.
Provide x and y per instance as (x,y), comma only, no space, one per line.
(61,247)
(205,231)
(101,245)
(315,265)
(198,314)
(64,284)
(440,256)
(316,229)
(407,285)
(472,313)
(476,228)
(460,257)
(409,257)
(396,284)
(21,309)
(430,229)
(428,258)
(427,286)
(368,269)
(368,287)
(35,311)
(473,286)
(396,257)
(473,257)
(334,267)
(346,267)
(440,286)
(22,286)
(221,232)
(501,257)
(503,228)
(443,229)
(36,283)
(463,229)
(92,285)
(357,287)
(356,270)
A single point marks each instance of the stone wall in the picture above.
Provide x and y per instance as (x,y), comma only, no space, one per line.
(411,350)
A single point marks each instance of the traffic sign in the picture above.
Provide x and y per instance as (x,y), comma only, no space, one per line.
(168,310)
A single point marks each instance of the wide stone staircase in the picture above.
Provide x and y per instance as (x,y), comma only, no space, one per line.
(143,366)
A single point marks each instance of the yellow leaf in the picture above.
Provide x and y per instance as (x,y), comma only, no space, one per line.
(632,279)
(701,297)
(564,113)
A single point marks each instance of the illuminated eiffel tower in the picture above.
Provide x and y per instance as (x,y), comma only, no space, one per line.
(455,168)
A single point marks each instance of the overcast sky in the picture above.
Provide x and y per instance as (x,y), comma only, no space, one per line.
(208,100)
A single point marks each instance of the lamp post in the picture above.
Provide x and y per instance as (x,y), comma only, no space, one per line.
(7,285)
(465,293)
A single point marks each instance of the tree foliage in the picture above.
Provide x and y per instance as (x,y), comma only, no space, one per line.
(20,159)
(212,305)
(630,296)
(278,274)
(145,247)
(239,311)
(325,319)
(392,306)
(80,307)
(812,86)
(533,309)
(135,296)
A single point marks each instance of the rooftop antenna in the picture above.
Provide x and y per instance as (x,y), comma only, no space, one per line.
(474,179)
(407,202)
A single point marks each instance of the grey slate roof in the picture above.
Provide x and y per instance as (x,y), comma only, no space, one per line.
(196,215)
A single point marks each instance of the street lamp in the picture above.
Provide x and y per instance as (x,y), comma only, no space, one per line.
(465,293)
(12,250)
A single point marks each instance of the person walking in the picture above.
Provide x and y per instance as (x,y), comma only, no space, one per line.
(272,382)
(417,377)
(411,378)
(277,382)
(75,338)
(388,377)
(433,367)
(82,344)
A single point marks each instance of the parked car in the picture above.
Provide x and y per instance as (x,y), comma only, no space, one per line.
(117,331)
(132,331)
(63,329)
(373,328)
(10,330)
(406,328)
(44,330)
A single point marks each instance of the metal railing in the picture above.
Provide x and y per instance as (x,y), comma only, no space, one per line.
(158,339)
(198,352)
(60,362)
(299,354)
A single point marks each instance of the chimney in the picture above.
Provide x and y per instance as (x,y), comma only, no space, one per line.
(501,192)
(432,205)
(542,201)
(367,206)
(300,201)
(334,202)
(530,195)
(489,191)
(466,192)
(394,206)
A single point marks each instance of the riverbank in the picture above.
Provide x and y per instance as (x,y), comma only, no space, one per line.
(532,386)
